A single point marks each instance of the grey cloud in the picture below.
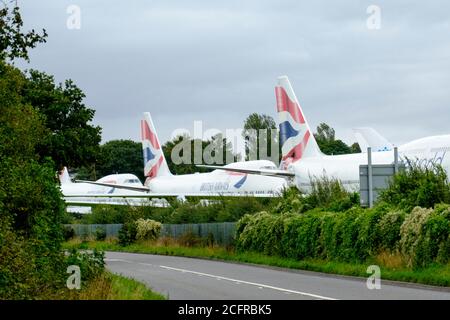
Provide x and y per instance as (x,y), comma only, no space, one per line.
(218,62)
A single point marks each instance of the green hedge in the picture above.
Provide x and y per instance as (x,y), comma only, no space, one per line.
(422,236)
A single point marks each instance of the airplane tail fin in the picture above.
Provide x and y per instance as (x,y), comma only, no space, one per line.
(296,138)
(64,177)
(155,164)
(369,137)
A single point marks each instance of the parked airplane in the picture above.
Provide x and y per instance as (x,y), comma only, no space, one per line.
(86,193)
(303,160)
(161,182)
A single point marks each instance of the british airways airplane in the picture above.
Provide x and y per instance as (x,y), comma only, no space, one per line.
(303,160)
(86,193)
(161,182)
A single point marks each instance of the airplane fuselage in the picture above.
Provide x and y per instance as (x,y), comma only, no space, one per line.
(87,189)
(435,149)
(221,182)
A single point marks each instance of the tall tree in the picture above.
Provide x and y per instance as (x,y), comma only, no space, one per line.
(180,145)
(14,43)
(72,140)
(328,144)
(121,156)
(31,208)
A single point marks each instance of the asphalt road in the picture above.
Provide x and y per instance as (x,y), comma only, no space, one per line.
(192,279)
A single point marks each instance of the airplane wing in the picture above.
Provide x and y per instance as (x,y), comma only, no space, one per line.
(262,172)
(369,137)
(118,186)
(163,195)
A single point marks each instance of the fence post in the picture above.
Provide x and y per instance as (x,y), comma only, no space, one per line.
(370,175)
(395,160)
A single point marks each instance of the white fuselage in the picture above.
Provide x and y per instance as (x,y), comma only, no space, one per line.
(345,168)
(220,182)
(84,192)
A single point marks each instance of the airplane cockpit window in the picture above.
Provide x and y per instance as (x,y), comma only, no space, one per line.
(131,181)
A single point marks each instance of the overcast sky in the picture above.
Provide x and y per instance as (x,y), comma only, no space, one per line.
(218,62)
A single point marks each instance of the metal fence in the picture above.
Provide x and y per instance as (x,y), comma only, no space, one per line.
(222,233)
(88,230)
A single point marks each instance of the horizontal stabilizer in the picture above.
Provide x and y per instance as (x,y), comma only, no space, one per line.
(113,185)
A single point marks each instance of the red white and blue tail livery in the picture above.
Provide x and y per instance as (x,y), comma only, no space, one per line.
(296,138)
(155,164)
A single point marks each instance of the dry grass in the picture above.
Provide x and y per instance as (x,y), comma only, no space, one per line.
(98,289)
(109,286)
(391,260)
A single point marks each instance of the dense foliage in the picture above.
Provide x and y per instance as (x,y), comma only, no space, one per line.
(422,237)
(224,210)
(182,148)
(115,156)
(252,145)
(328,224)
(71,140)
(14,43)
(147,229)
(418,185)
(326,194)
(31,208)
(32,262)
(328,144)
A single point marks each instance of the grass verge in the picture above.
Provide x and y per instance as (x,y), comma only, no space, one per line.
(436,275)
(110,286)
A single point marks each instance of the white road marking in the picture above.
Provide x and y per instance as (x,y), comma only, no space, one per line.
(117,260)
(249,283)
(147,264)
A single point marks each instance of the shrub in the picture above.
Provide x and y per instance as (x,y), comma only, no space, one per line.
(433,241)
(147,229)
(253,234)
(301,236)
(389,229)
(69,233)
(127,234)
(105,214)
(369,234)
(328,193)
(418,185)
(100,234)
(411,233)
(91,263)
(346,234)
(209,240)
(189,239)
(291,201)
(272,233)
